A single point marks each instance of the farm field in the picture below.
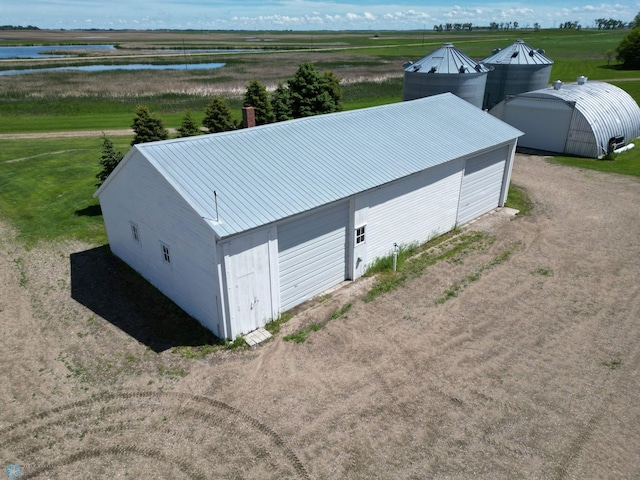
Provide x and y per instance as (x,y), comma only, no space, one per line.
(514,356)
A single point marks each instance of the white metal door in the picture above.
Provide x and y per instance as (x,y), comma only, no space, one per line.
(248,281)
(481,184)
(545,122)
(312,254)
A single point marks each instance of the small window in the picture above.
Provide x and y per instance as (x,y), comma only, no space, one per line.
(135,233)
(360,237)
(166,254)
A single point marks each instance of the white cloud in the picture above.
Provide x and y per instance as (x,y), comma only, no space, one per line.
(301,14)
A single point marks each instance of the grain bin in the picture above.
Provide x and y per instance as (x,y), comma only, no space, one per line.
(515,69)
(445,70)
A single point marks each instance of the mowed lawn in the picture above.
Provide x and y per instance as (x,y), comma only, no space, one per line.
(47,186)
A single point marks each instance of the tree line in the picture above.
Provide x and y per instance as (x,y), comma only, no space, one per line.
(307,93)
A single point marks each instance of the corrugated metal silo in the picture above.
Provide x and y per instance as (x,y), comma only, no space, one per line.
(515,69)
(445,70)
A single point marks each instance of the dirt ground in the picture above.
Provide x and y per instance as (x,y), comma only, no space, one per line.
(532,371)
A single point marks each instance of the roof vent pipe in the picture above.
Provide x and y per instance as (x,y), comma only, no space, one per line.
(557,84)
(581,80)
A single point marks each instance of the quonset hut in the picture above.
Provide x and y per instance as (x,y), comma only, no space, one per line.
(586,119)
(445,70)
(515,69)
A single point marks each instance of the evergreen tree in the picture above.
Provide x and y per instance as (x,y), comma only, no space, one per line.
(189,126)
(311,93)
(257,97)
(218,116)
(281,103)
(629,50)
(147,127)
(109,159)
(332,84)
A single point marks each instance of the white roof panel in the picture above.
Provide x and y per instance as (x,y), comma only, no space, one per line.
(270,172)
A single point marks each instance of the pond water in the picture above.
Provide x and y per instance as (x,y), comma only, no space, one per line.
(40,51)
(102,68)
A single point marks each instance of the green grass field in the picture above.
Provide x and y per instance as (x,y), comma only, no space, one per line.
(47,185)
(46,188)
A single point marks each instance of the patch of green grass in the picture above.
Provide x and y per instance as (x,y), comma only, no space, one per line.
(545,272)
(627,163)
(301,335)
(458,287)
(519,199)
(23,274)
(273,327)
(451,246)
(385,264)
(47,186)
(386,282)
(614,364)
(171,372)
(342,311)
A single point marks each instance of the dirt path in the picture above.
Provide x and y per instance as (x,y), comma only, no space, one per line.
(531,371)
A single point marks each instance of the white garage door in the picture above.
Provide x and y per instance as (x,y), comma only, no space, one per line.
(481,184)
(545,122)
(312,254)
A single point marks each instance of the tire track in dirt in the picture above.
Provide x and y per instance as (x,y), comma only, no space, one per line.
(129,417)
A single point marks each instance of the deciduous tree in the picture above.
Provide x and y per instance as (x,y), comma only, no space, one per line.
(629,50)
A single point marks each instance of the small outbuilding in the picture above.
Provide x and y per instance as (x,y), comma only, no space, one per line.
(586,119)
(447,69)
(238,227)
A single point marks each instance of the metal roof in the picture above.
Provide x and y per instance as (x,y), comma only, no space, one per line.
(518,53)
(606,109)
(446,59)
(267,173)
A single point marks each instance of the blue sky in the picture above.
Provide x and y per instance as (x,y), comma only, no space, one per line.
(303,14)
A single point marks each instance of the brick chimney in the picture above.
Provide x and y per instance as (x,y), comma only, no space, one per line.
(248,116)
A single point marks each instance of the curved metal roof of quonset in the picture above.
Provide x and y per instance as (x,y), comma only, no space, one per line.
(271,172)
(607,108)
(518,53)
(446,59)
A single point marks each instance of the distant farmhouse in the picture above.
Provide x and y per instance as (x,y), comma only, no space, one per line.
(238,227)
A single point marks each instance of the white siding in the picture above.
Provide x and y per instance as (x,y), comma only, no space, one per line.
(482,184)
(414,209)
(142,196)
(312,253)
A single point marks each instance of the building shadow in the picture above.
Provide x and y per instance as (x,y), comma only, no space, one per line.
(110,288)
(90,211)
